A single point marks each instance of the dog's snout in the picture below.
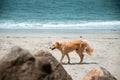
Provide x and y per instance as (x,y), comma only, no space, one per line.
(52,48)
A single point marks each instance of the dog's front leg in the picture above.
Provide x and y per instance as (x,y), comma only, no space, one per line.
(68,58)
(62,57)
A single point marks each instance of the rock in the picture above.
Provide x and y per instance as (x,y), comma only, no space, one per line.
(80,36)
(99,73)
(59,72)
(20,64)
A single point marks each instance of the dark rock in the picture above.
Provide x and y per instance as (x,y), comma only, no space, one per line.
(59,72)
(20,64)
(80,36)
(99,73)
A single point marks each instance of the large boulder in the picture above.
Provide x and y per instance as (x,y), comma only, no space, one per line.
(58,72)
(99,73)
(20,64)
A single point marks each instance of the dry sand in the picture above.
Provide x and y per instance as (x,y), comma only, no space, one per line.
(106,50)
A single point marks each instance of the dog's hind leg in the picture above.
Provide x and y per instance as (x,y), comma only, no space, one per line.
(81,55)
(68,58)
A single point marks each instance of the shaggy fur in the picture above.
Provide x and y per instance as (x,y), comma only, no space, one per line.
(65,47)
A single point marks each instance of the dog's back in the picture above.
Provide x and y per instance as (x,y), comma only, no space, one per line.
(70,45)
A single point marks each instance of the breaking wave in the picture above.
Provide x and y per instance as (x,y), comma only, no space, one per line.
(61,25)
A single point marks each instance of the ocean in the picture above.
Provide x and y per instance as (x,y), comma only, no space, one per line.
(59,15)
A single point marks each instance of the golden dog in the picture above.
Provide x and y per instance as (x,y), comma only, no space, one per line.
(65,47)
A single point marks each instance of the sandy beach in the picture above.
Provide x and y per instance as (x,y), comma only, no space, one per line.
(106,50)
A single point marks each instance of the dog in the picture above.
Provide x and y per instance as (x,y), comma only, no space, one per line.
(68,46)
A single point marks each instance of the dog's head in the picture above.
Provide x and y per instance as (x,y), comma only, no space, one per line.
(54,45)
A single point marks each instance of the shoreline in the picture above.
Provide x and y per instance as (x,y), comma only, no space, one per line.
(60,31)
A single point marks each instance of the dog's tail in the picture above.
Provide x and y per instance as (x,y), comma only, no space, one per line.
(89,49)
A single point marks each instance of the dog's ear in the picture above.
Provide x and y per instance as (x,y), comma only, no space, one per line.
(57,42)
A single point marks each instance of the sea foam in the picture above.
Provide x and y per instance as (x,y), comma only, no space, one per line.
(61,25)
